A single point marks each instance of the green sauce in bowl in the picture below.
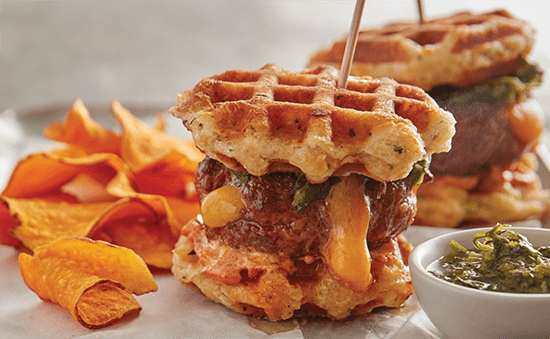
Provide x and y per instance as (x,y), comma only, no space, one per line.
(502,260)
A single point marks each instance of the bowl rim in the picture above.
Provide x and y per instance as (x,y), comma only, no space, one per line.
(416,265)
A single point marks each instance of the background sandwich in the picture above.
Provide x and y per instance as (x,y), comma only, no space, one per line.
(305,190)
(475,66)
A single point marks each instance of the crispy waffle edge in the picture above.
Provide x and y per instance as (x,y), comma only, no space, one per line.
(264,119)
(461,49)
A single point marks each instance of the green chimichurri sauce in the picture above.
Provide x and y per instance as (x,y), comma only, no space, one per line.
(502,260)
(305,192)
(501,90)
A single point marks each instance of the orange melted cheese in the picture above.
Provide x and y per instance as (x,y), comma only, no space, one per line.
(222,206)
(347,254)
(527,122)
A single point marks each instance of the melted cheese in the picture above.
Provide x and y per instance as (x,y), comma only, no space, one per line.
(347,254)
(222,206)
(527,121)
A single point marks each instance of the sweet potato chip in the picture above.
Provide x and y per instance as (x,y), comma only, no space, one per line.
(160,122)
(134,189)
(78,129)
(172,176)
(33,209)
(182,209)
(41,173)
(38,174)
(153,242)
(94,280)
(143,223)
(86,189)
(143,146)
(39,222)
(7,223)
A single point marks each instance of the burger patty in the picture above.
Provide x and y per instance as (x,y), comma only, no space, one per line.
(483,139)
(271,224)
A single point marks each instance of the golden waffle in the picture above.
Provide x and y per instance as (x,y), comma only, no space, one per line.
(203,265)
(271,120)
(460,50)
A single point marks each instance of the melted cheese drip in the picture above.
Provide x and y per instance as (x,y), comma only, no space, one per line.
(527,121)
(222,206)
(347,254)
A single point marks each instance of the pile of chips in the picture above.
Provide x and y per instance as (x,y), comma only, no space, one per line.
(103,194)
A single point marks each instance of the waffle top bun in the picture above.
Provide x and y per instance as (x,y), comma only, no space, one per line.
(272,119)
(460,50)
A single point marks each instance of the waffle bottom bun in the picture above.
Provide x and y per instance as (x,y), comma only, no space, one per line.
(277,295)
(505,194)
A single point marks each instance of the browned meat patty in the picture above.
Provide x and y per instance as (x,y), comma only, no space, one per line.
(483,139)
(271,224)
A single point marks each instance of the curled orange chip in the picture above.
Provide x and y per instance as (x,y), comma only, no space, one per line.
(94,280)
(183,210)
(78,129)
(42,173)
(143,223)
(143,146)
(172,176)
(34,176)
(39,222)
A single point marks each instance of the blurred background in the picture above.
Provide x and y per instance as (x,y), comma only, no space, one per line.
(146,52)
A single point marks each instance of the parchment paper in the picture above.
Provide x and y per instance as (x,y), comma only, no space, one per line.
(175,311)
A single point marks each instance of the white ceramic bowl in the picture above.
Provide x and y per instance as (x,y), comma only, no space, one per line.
(462,312)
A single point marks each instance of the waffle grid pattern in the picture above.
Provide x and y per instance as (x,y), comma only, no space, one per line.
(460,50)
(252,119)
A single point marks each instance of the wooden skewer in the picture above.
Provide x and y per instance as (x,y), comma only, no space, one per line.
(350,44)
(420,11)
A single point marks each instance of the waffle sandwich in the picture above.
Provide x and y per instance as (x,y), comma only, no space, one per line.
(305,190)
(475,66)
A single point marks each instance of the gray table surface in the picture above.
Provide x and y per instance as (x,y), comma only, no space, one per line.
(55,52)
